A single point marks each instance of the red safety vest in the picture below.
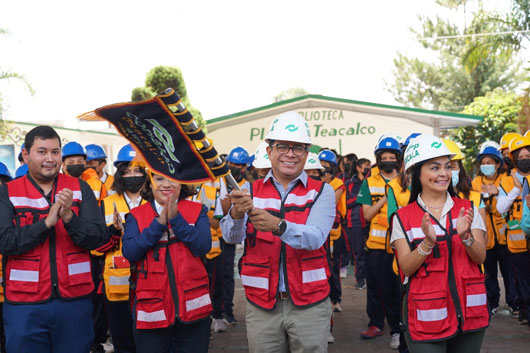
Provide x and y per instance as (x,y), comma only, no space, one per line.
(31,276)
(306,272)
(170,281)
(447,292)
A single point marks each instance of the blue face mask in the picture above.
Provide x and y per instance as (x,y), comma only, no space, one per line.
(487,169)
(454,177)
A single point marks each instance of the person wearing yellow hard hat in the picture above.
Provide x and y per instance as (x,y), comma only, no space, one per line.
(504,145)
(510,202)
(487,182)
(439,243)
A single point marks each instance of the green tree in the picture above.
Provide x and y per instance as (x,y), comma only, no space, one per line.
(161,77)
(500,110)
(290,93)
(446,83)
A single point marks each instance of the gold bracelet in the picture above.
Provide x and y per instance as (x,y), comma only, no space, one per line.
(423,253)
(427,246)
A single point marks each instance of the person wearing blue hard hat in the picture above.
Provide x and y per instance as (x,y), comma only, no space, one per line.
(57,223)
(20,159)
(337,245)
(382,283)
(487,182)
(74,164)
(5,175)
(96,158)
(21,171)
(237,161)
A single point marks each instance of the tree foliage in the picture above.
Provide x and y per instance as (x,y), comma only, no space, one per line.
(158,79)
(446,83)
(500,110)
(290,93)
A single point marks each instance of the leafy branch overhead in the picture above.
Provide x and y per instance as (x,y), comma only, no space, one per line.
(157,80)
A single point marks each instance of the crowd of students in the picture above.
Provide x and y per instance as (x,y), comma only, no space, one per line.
(154,265)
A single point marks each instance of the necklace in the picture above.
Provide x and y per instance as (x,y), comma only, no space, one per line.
(435,207)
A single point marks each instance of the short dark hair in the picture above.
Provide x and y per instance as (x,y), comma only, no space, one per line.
(117,184)
(42,132)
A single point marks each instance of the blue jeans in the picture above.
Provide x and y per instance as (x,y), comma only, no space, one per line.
(56,326)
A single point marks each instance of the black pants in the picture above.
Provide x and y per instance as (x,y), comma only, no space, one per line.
(215,268)
(229,254)
(382,292)
(121,326)
(521,263)
(337,261)
(356,237)
(499,257)
(99,315)
(179,338)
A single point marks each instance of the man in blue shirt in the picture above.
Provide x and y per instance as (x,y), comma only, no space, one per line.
(285,223)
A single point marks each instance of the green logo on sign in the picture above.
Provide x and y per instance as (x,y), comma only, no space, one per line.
(436,144)
(291,128)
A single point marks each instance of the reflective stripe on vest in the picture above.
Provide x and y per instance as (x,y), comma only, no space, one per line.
(306,271)
(197,303)
(77,268)
(24,275)
(118,280)
(189,278)
(429,295)
(30,276)
(314,275)
(154,316)
(431,314)
(256,282)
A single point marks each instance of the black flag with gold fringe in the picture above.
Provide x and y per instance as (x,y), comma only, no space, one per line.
(163,131)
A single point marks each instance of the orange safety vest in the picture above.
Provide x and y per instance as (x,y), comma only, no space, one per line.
(515,238)
(116,270)
(495,223)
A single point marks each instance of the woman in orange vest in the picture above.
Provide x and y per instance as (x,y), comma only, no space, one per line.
(487,181)
(165,241)
(439,243)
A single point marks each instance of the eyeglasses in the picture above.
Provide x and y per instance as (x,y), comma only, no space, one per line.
(284,149)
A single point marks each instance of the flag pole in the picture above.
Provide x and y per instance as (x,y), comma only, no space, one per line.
(218,161)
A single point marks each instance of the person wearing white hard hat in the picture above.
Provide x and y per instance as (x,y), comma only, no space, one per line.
(284,270)
(261,161)
(439,244)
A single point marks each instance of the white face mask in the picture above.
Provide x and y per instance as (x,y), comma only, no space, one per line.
(454,177)
(487,169)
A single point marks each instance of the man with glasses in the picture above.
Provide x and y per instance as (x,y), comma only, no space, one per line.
(284,221)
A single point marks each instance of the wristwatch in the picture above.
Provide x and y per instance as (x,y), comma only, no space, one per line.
(469,241)
(282,226)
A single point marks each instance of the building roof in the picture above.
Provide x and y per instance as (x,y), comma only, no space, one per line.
(438,120)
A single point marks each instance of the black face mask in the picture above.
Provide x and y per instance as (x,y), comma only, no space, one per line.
(523,165)
(508,162)
(327,170)
(366,171)
(134,183)
(388,167)
(316,177)
(75,170)
(236,173)
(347,167)
(92,168)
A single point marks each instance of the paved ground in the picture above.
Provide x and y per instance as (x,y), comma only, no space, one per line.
(503,335)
